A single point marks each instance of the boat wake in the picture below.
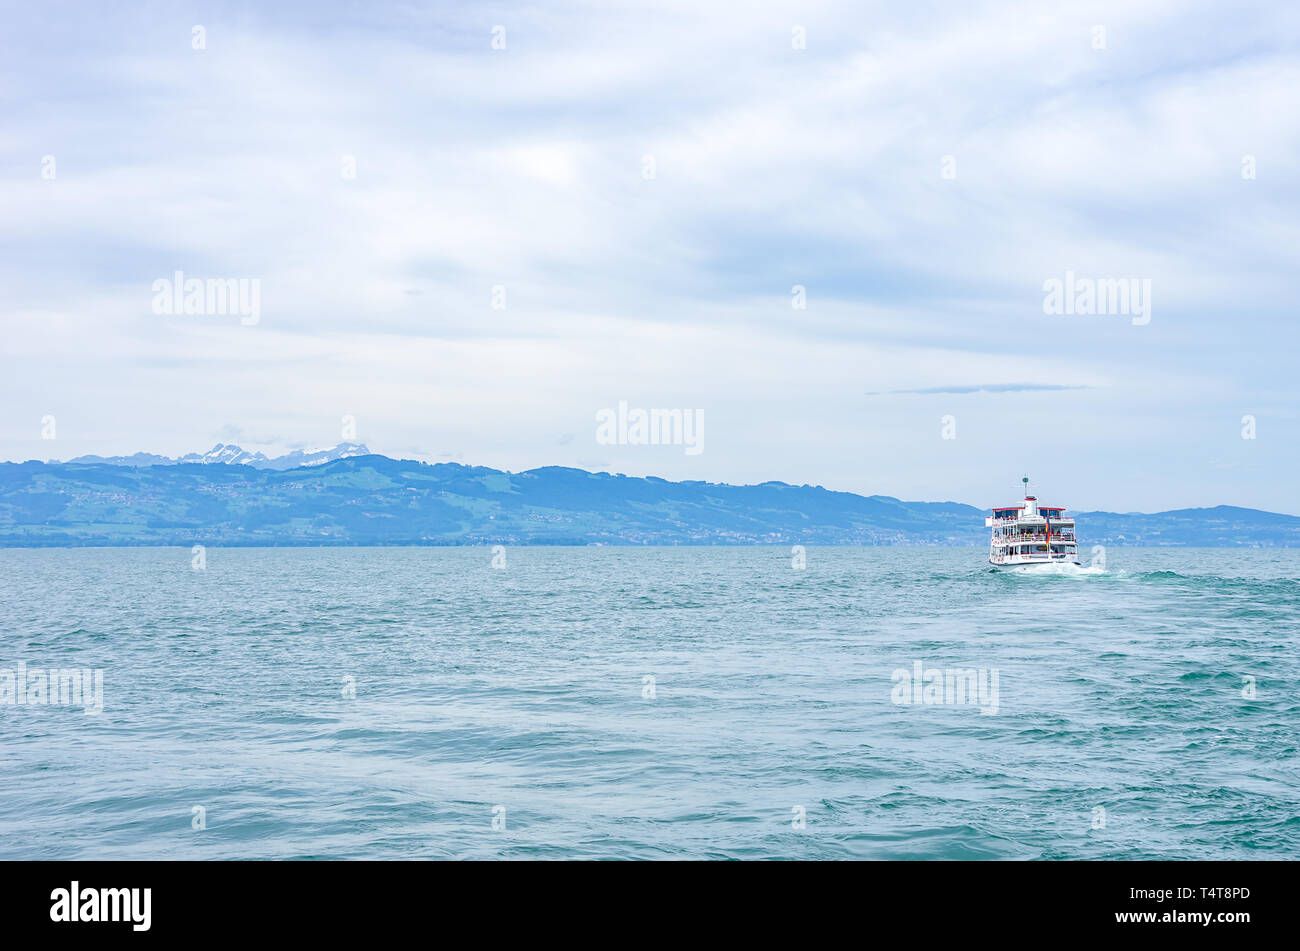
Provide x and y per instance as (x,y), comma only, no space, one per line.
(1061,568)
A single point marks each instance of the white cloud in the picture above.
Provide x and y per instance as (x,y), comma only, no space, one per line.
(774,167)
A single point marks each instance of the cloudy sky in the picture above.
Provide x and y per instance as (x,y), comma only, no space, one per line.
(642,189)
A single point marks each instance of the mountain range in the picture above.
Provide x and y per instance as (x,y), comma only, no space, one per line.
(233,456)
(348,496)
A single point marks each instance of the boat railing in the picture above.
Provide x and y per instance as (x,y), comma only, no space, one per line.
(1038,537)
(1017,518)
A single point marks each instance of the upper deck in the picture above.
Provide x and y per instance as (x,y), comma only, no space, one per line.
(1030,512)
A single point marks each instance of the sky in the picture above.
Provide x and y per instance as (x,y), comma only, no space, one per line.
(826,231)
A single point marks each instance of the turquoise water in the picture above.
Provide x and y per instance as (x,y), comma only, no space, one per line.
(523,688)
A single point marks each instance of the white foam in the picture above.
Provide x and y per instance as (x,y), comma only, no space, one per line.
(1065,568)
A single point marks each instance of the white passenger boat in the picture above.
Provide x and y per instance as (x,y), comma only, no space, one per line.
(1031,534)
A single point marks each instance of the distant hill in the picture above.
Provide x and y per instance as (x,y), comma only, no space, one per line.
(1224,526)
(373,500)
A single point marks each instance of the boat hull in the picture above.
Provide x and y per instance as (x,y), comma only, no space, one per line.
(1034,563)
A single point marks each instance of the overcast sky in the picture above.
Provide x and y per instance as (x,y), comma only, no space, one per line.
(648,186)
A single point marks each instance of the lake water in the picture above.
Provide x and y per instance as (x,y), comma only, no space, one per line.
(420,703)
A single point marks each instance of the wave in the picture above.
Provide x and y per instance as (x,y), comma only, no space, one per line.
(1164,575)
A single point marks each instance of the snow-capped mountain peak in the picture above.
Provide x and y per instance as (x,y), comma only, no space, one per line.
(232,455)
(317,457)
(228,455)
